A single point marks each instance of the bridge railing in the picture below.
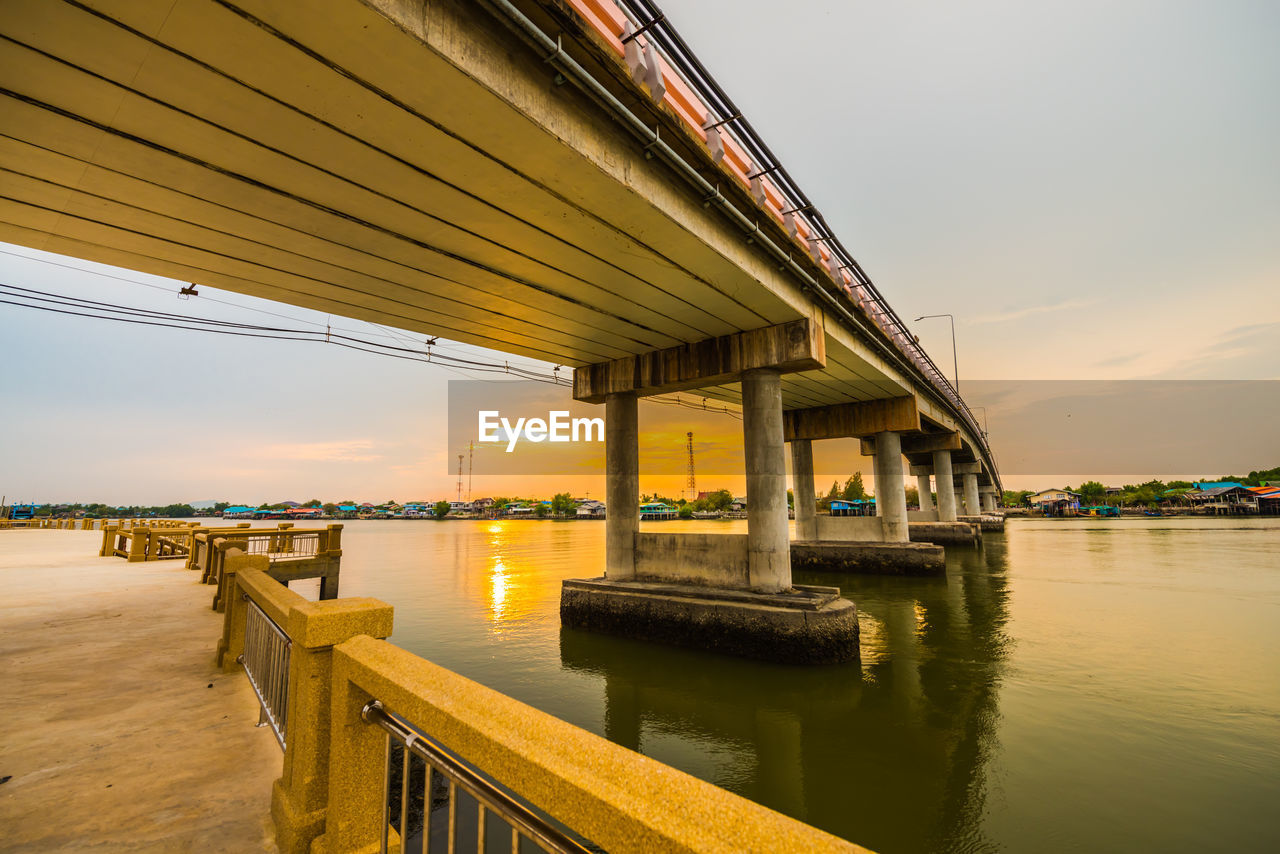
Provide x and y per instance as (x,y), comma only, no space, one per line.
(661,61)
(292,554)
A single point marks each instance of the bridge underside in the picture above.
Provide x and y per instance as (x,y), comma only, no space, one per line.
(414,165)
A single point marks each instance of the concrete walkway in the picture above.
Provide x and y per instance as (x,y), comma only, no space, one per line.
(116,731)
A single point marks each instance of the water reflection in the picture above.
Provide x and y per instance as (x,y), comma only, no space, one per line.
(891,752)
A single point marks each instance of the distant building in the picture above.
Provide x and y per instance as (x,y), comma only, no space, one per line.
(1268,499)
(1225,500)
(590,509)
(238,513)
(657,510)
(853,507)
(1056,502)
(304,512)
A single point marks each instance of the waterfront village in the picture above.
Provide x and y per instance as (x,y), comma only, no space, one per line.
(1257,493)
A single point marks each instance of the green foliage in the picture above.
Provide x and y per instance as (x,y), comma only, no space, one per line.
(686,511)
(720,499)
(541,510)
(791,498)
(853,488)
(330,509)
(913,496)
(315,502)
(440,509)
(1016,498)
(1091,492)
(562,503)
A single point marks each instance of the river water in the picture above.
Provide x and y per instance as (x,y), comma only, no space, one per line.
(1099,685)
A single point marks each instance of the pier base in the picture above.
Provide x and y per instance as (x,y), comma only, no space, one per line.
(947,533)
(808,625)
(869,558)
(994,522)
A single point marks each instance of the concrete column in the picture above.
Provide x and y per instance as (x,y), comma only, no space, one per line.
(768,544)
(922,486)
(971,494)
(802,490)
(946,492)
(891,496)
(988,502)
(622,485)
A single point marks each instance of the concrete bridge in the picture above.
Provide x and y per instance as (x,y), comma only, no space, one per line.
(526,175)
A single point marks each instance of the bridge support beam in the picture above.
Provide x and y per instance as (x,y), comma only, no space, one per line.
(802,489)
(622,485)
(768,543)
(946,489)
(795,346)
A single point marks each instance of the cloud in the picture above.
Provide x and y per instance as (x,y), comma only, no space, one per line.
(1244,352)
(347,451)
(1019,313)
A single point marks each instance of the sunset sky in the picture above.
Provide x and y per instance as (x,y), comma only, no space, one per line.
(1091,188)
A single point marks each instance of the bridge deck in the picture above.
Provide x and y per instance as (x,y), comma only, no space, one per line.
(116,728)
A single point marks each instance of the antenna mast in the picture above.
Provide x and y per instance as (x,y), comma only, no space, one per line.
(691,485)
(471,450)
(459,477)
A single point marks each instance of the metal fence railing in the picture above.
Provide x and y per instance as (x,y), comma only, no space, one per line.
(282,544)
(434,802)
(266,662)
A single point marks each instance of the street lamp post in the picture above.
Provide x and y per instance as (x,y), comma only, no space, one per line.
(954,364)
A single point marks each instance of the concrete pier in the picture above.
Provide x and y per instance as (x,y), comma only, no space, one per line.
(971,505)
(922,487)
(115,725)
(891,497)
(802,489)
(622,484)
(946,492)
(768,540)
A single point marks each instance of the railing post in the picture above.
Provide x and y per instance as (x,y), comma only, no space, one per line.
(334,545)
(300,798)
(357,751)
(224,547)
(108,541)
(231,644)
(193,556)
(138,544)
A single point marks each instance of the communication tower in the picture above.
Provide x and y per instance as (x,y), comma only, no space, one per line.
(459,477)
(691,484)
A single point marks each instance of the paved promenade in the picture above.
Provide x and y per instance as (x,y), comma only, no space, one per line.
(117,733)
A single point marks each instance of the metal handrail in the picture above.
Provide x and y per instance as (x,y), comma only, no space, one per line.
(266,663)
(489,798)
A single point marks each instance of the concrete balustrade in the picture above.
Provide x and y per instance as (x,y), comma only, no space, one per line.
(618,799)
(300,797)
